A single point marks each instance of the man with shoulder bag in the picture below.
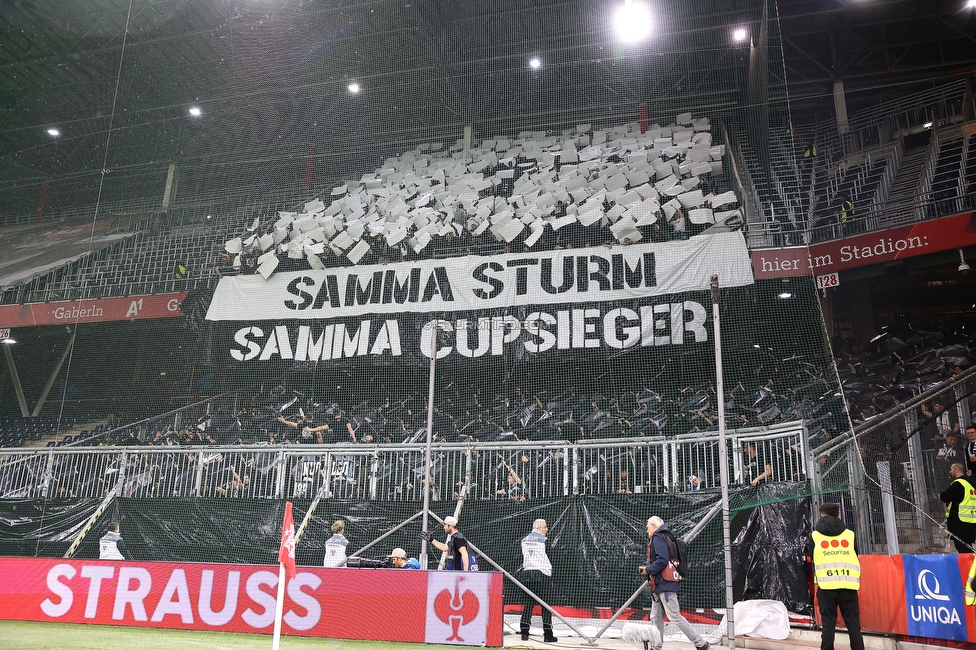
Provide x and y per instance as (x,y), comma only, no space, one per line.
(664,577)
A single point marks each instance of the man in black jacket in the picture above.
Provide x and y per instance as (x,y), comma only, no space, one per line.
(960,500)
(661,551)
(837,572)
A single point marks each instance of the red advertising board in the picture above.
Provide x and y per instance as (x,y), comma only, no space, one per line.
(376,604)
(921,238)
(887,608)
(165,305)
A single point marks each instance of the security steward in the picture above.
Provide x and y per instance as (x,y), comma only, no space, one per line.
(970,585)
(110,546)
(837,572)
(960,500)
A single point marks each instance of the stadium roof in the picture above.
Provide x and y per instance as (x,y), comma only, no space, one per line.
(881,49)
(270,82)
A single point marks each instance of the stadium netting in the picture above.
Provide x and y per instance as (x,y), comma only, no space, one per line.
(329,185)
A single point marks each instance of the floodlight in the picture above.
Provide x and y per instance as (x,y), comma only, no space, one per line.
(632,21)
(8,341)
(963,266)
(53,132)
(971,4)
(785,295)
(195,111)
(927,125)
(740,34)
(535,63)
(354,87)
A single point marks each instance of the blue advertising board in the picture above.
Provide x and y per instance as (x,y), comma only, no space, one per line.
(934,597)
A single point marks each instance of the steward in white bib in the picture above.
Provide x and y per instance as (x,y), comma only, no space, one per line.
(110,546)
(536,575)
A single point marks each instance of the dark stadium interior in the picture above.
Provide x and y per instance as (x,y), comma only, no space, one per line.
(85,71)
(228,229)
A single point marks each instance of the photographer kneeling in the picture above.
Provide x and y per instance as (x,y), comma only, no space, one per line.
(400,560)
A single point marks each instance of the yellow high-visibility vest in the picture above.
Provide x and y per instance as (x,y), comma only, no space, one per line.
(968,585)
(846,210)
(967,508)
(835,563)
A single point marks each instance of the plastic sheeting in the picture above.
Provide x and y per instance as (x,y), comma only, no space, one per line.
(769,544)
(760,619)
(39,528)
(596,542)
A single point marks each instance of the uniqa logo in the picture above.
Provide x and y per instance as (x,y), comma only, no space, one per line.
(926,592)
(929,589)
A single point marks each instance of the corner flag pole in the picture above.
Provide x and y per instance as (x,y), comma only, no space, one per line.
(279,607)
(286,558)
(723,461)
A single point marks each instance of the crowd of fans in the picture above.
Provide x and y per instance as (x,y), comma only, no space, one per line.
(538,191)
(897,366)
(780,390)
(876,378)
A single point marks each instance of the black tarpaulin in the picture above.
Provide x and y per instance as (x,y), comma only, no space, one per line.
(768,548)
(596,542)
(39,528)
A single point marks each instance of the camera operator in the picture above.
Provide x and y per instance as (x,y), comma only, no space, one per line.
(400,560)
(368,563)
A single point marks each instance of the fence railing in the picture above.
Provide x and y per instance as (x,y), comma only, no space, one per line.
(889,120)
(896,464)
(505,470)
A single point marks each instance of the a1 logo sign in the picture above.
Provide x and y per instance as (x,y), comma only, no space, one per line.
(828,280)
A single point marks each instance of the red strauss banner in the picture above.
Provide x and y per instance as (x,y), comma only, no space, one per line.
(165,305)
(885,246)
(377,604)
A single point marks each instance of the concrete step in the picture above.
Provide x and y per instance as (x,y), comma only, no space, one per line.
(800,638)
(908,175)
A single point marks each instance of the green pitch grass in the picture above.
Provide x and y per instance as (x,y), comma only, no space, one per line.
(20,635)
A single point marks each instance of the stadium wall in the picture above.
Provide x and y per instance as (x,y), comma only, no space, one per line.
(596,541)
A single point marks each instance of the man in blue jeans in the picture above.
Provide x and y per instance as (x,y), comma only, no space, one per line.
(664,592)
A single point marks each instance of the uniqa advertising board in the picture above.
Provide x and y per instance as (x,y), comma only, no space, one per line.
(916,595)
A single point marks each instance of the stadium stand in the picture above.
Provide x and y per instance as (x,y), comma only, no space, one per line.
(195,431)
(946,190)
(583,188)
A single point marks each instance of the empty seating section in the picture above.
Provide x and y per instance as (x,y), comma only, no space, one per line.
(946,192)
(147,264)
(970,176)
(18,431)
(139,265)
(856,183)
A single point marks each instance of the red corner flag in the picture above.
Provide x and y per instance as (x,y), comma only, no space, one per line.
(286,554)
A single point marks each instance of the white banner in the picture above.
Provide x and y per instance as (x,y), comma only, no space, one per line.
(580,275)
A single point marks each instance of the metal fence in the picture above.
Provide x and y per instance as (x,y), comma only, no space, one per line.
(519,471)
(892,469)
